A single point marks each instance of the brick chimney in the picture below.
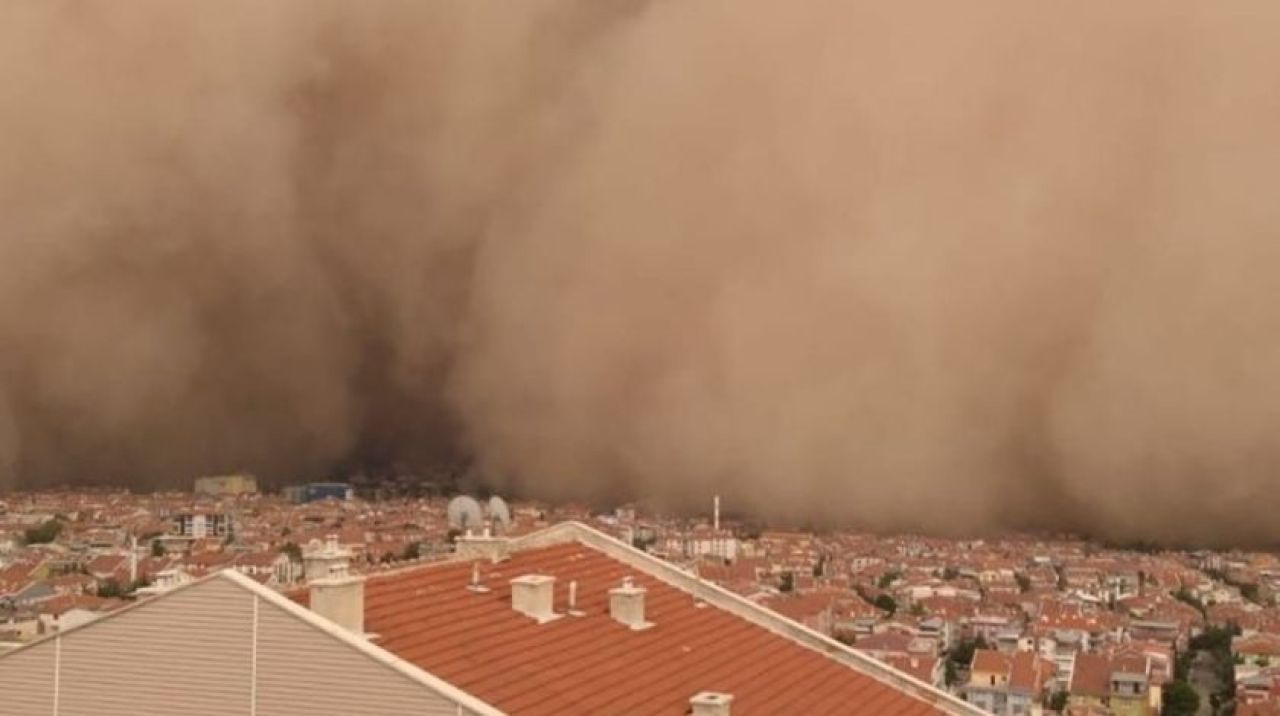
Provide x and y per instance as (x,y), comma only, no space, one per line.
(532,595)
(339,598)
(710,703)
(626,605)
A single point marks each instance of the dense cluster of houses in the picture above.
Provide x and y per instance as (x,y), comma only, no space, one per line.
(1016,625)
(1020,625)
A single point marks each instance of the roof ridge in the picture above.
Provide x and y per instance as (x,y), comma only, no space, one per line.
(572,530)
(386,658)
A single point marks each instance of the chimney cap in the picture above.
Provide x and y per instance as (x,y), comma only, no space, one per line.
(533,579)
(628,587)
(339,575)
(626,605)
(711,703)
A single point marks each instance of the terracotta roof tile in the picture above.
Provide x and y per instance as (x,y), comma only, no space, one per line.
(1091,676)
(989,660)
(591,664)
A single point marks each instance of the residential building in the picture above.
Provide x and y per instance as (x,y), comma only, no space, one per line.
(314,491)
(565,620)
(199,525)
(1008,684)
(218,485)
(1254,653)
(1120,684)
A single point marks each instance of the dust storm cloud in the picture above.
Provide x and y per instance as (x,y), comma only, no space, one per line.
(896,265)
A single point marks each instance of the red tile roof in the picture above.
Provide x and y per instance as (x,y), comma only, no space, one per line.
(989,660)
(1256,645)
(1029,673)
(884,641)
(921,667)
(1263,708)
(1091,676)
(591,664)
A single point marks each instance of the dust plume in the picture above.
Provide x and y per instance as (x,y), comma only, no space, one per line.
(894,265)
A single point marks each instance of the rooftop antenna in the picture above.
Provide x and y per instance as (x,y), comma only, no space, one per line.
(499,515)
(465,514)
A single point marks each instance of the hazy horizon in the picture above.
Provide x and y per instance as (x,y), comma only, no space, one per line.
(941,269)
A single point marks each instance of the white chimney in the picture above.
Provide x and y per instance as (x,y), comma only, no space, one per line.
(626,605)
(710,703)
(485,546)
(319,560)
(339,598)
(532,595)
(165,580)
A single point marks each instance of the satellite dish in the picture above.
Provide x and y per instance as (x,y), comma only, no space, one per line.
(465,513)
(499,514)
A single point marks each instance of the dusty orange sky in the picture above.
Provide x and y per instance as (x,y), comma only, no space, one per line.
(886,264)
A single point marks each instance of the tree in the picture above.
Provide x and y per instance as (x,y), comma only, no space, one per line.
(1216,639)
(1058,701)
(293,550)
(962,653)
(643,540)
(1182,665)
(157,548)
(887,603)
(951,673)
(961,656)
(1180,699)
(1024,582)
(45,533)
(413,550)
(110,588)
(888,578)
(950,573)
(787,582)
(1225,670)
